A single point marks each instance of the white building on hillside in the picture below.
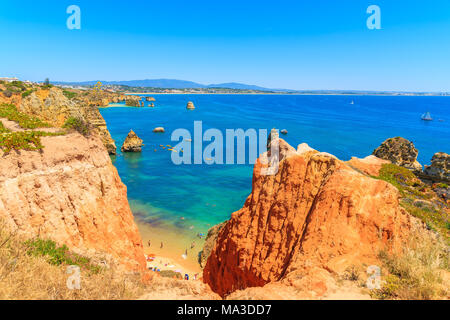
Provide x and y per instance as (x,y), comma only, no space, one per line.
(8,79)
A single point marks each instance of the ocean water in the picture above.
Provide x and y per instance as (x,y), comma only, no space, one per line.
(191,198)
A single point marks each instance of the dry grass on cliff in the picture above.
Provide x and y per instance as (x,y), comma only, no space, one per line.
(25,276)
(420,272)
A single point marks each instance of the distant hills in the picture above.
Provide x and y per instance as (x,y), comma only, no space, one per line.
(170,84)
(184,84)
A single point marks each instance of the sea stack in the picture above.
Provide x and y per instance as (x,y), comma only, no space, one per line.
(159,130)
(439,170)
(190,105)
(400,152)
(132,143)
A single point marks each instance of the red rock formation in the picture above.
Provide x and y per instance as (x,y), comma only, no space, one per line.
(71,193)
(315,217)
(370,165)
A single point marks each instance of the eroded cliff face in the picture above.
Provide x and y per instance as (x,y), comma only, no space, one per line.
(70,192)
(52,106)
(314,218)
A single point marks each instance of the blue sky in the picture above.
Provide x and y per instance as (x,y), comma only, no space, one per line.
(278,44)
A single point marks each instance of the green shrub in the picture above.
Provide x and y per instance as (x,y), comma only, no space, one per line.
(27,93)
(10,112)
(69,94)
(2,128)
(23,140)
(16,86)
(58,255)
(7,93)
(77,124)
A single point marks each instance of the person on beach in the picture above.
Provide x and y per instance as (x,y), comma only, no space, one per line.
(148,243)
(192,244)
(161,245)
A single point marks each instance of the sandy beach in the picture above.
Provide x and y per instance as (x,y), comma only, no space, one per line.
(171,256)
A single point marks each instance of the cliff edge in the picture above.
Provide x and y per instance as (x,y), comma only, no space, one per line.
(71,193)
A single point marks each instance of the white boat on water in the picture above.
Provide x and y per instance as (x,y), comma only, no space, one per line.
(427,117)
(353,102)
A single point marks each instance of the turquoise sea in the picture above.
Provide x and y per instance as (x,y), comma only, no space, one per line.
(194,197)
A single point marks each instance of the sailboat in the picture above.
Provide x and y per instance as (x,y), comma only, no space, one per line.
(427,117)
(353,102)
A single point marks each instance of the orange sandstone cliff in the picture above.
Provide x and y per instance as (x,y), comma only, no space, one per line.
(71,193)
(313,219)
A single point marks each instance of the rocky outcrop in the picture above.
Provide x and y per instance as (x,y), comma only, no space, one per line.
(400,152)
(71,192)
(190,105)
(369,165)
(439,170)
(133,101)
(310,221)
(52,106)
(210,242)
(132,143)
(159,130)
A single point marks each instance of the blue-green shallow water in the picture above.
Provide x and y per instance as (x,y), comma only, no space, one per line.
(161,192)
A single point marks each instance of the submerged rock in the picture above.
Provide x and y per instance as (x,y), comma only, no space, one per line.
(190,105)
(400,152)
(132,143)
(439,168)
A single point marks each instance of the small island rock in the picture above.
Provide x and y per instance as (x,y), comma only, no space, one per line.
(190,105)
(400,152)
(439,169)
(132,143)
(158,130)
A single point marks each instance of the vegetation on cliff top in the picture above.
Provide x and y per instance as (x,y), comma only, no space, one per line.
(77,124)
(416,273)
(10,112)
(21,140)
(69,94)
(59,255)
(418,198)
(37,269)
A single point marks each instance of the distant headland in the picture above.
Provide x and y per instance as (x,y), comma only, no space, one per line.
(173,86)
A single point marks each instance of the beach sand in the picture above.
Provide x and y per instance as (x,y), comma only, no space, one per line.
(175,243)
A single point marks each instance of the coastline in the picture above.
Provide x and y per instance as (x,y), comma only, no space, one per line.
(290,94)
(174,246)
